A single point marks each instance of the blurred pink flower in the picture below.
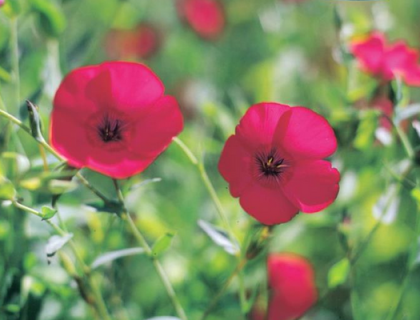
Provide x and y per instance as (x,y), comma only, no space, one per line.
(2,2)
(386,61)
(141,42)
(205,17)
(292,282)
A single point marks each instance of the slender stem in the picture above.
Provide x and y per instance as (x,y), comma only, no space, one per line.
(405,141)
(226,285)
(15,57)
(92,188)
(99,302)
(209,186)
(186,150)
(44,158)
(159,269)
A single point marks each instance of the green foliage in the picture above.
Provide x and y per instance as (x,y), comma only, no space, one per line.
(271,50)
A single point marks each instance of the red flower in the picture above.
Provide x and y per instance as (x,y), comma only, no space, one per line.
(386,61)
(274,162)
(141,42)
(292,283)
(113,118)
(205,17)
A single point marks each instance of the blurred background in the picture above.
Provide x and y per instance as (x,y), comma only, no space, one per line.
(217,64)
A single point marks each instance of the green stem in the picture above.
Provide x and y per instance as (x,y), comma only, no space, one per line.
(159,269)
(406,142)
(209,186)
(99,302)
(226,285)
(15,58)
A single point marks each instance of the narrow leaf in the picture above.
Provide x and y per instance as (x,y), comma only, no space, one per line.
(35,121)
(162,244)
(55,243)
(114,255)
(386,208)
(219,237)
(338,273)
(47,212)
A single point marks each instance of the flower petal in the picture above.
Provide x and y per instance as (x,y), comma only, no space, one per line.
(269,206)
(257,126)
(235,166)
(399,59)
(125,86)
(155,130)
(369,52)
(412,76)
(68,136)
(71,95)
(313,185)
(304,134)
(292,282)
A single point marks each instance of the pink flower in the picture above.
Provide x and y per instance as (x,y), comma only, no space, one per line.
(2,2)
(292,282)
(141,42)
(387,61)
(205,17)
(113,118)
(274,162)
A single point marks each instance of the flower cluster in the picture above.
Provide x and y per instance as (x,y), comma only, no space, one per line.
(273,162)
(387,60)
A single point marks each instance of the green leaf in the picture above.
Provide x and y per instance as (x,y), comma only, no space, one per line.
(35,121)
(12,308)
(51,18)
(114,255)
(415,193)
(4,75)
(7,189)
(55,243)
(219,237)
(60,186)
(338,273)
(162,244)
(47,212)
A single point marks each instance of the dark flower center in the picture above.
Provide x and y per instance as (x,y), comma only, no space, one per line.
(110,130)
(270,164)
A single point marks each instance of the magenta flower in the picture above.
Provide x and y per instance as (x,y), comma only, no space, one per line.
(386,61)
(205,17)
(292,282)
(113,118)
(274,162)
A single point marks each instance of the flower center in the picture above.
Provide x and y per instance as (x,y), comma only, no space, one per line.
(110,130)
(270,164)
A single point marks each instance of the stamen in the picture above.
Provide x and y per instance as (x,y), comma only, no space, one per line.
(270,165)
(110,130)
